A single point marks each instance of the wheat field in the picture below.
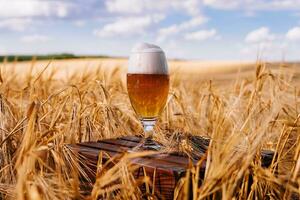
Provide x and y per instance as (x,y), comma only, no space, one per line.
(242,107)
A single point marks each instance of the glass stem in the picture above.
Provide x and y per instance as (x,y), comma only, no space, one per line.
(148,126)
(148,143)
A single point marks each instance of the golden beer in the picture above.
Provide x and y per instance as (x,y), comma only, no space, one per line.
(148,93)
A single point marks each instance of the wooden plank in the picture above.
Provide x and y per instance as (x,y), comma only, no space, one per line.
(131,138)
(167,161)
(105,146)
(159,161)
(120,147)
(169,168)
(120,142)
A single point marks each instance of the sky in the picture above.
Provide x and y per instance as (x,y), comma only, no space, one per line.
(186,29)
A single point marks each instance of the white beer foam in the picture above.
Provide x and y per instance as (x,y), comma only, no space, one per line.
(147,59)
(146,48)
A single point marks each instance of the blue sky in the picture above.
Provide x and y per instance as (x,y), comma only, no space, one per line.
(188,29)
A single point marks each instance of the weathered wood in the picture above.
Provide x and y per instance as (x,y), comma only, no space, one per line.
(168,168)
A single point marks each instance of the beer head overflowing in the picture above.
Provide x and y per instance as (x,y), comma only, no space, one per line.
(147,59)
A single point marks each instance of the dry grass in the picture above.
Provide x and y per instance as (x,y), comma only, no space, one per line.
(256,108)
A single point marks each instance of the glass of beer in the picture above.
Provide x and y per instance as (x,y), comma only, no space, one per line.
(148,88)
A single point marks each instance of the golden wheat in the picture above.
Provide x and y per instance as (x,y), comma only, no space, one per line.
(243,112)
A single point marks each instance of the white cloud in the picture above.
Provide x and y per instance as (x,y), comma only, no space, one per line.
(33,8)
(293,34)
(127,26)
(140,8)
(191,7)
(254,5)
(260,35)
(222,4)
(125,6)
(17,15)
(169,31)
(263,44)
(15,24)
(34,38)
(281,5)
(202,35)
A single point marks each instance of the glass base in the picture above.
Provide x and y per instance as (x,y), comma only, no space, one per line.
(147,145)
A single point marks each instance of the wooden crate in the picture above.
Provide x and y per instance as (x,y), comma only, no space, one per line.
(169,168)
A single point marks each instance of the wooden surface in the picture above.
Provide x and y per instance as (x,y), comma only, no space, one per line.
(168,168)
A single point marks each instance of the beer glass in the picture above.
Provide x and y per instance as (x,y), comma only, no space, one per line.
(148,88)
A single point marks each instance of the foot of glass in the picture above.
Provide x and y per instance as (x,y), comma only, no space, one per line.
(148,144)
